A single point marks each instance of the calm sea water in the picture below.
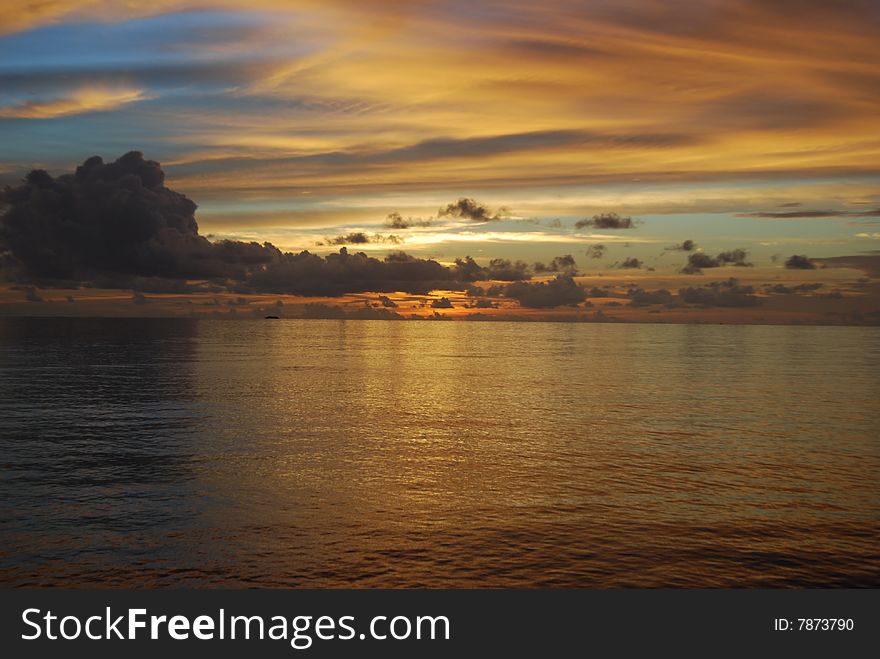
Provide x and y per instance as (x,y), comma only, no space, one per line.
(371,453)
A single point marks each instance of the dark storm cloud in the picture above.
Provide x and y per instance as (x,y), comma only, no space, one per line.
(561,291)
(442,303)
(564,264)
(116,225)
(699,260)
(115,218)
(799,262)
(469,209)
(727,293)
(606,221)
(336,274)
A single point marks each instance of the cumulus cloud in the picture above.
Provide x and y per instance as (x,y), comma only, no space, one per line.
(492,291)
(631,263)
(727,293)
(336,274)
(684,246)
(470,270)
(358,238)
(606,221)
(115,219)
(116,225)
(387,302)
(782,289)
(799,262)
(696,263)
(596,251)
(734,257)
(442,303)
(470,209)
(497,269)
(642,298)
(561,291)
(506,270)
(699,260)
(396,221)
(361,238)
(564,264)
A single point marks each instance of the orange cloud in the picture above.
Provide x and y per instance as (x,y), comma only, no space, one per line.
(78,102)
(402,97)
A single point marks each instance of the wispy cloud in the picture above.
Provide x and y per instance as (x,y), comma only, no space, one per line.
(424,94)
(78,102)
(802,214)
(331,114)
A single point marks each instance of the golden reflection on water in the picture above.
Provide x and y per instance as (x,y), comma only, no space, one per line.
(472,445)
(335,453)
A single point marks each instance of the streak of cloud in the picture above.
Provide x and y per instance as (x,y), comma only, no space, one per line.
(79,102)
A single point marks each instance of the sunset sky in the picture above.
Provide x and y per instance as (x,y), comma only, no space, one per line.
(734,124)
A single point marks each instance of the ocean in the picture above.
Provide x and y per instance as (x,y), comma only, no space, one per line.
(332,453)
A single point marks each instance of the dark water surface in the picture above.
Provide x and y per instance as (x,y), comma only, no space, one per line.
(372,453)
